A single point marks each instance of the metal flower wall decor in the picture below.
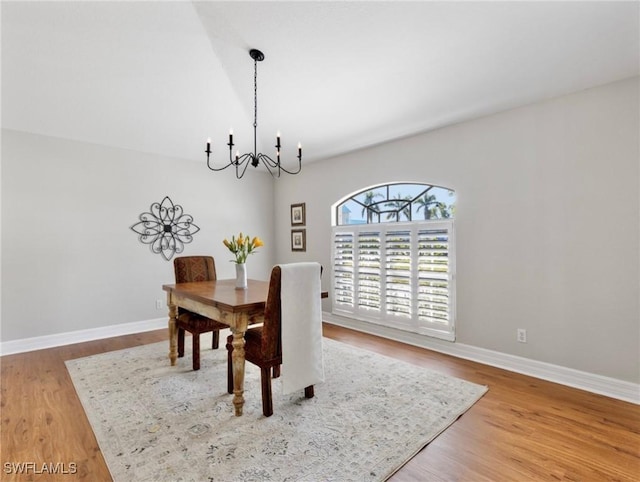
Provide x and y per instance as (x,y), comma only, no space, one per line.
(165,228)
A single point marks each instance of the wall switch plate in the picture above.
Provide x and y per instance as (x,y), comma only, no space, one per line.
(522,335)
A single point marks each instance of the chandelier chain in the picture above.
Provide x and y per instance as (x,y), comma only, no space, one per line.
(255,94)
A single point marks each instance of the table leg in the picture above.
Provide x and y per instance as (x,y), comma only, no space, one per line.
(238,370)
(173,334)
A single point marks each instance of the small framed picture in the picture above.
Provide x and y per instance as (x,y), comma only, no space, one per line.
(297,215)
(298,240)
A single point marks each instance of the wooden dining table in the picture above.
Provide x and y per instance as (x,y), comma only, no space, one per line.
(221,301)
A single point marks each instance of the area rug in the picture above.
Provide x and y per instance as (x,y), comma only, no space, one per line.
(155,422)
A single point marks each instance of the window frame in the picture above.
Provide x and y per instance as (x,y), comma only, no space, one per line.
(382,315)
(395,206)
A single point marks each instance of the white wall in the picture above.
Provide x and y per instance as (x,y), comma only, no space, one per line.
(70,261)
(547,223)
(548,226)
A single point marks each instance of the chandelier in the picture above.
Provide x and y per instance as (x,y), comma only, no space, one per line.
(241,162)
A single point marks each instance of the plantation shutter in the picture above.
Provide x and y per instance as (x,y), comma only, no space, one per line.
(369,271)
(399,275)
(343,268)
(435,278)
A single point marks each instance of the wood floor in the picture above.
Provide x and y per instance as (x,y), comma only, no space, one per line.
(522,429)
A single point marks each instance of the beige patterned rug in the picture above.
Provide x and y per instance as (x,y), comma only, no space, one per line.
(155,422)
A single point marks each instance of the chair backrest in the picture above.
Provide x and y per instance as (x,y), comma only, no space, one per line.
(271,334)
(189,269)
(271,339)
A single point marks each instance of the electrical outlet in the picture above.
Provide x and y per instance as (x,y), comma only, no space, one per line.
(158,304)
(522,335)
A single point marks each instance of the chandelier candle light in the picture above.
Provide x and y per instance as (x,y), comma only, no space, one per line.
(241,162)
(242,247)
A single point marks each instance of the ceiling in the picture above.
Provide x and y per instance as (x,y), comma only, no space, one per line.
(161,77)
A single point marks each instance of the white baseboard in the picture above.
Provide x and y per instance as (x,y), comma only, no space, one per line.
(610,387)
(60,339)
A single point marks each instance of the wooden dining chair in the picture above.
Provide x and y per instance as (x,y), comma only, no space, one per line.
(189,269)
(263,346)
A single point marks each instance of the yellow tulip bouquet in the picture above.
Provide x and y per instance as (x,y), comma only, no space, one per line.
(242,246)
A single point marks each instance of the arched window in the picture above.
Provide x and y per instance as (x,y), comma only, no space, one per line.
(395,203)
(394,257)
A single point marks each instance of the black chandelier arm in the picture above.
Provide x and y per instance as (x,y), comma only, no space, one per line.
(271,165)
(292,172)
(243,160)
(231,163)
(240,162)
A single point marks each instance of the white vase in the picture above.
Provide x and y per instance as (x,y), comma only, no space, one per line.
(241,276)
